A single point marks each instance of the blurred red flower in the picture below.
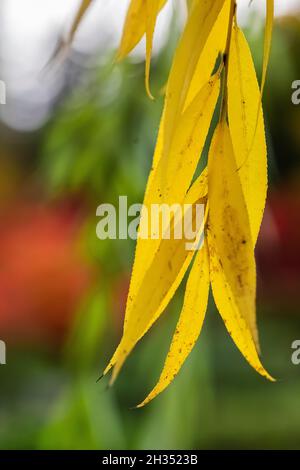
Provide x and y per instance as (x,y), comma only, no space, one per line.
(42,274)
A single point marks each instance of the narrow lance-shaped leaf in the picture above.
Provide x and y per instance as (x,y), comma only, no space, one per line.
(267,41)
(232,263)
(159,283)
(187,57)
(244,123)
(189,325)
(214,46)
(184,156)
(266,58)
(64,44)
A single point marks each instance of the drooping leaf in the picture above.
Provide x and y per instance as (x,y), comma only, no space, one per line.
(136,26)
(84,5)
(62,49)
(158,283)
(189,5)
(189,325)
(199,188)
(152,10)
(232,263)
(247,129)
(234,214)
(267,41)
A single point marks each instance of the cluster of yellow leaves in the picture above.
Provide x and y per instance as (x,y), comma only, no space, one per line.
(233,186)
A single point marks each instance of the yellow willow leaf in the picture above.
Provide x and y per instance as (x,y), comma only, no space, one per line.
(152,10)
(159,283)
(266,58)
(232,263)
(196,32)
(63,47)
(188,143)
(84,5)
(229,224)
(215,44)
(198,27)
(135,26)
(199,188)
(250,152)
(189,325)
(267,41)
(185,151)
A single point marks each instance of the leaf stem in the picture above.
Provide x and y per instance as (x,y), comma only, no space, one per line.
(232,13)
